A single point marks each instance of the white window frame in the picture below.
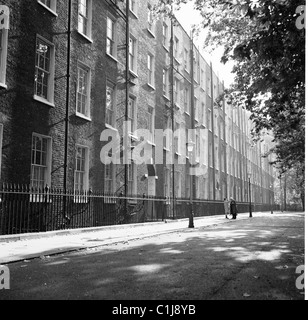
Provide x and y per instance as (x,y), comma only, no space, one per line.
(209,84)
(176,47)
(167,133)
(133,7)
(131,180)
(85,68)
(111,110)
(186,100)
(51,73)
(177,91)
(151,122)
(132,112)
(88,18)
(133,54)
(167,182)
(196,69)
(3,56)
(210,122)
(202,79)
(150,21)
(198,151)
(113,37)
(197,187)
(165,35)
(196,106)
(81,195)
(203,106)
(52,8)
(151,70)
(177,138)
(186,60)
(166,83)
(187,184)
(47,166)
(178,185)
(109,181)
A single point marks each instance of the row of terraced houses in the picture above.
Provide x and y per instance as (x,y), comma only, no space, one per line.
(71,69)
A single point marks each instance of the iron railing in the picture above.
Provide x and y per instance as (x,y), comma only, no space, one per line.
(27,210)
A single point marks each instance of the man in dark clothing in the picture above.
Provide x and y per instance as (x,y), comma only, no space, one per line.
(233,208)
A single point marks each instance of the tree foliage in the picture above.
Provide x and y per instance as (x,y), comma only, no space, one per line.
(268,50)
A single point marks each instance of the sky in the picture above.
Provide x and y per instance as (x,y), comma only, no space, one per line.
(187,16)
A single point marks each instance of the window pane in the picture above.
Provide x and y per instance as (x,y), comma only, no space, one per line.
(42,68)
(82,91)
(39,163)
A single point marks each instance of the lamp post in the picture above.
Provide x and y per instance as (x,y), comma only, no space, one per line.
(249,184)
(190,148)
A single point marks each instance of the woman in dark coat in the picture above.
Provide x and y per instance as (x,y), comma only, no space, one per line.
(233,208)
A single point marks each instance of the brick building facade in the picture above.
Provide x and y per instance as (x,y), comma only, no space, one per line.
(34,104)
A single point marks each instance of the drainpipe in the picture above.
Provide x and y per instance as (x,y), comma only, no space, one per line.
(68,75)
(172,110)
(126,100)
(213,135)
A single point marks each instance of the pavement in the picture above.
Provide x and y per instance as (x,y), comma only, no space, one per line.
(15,248)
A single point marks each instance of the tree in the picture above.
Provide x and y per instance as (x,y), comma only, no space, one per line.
(263,39)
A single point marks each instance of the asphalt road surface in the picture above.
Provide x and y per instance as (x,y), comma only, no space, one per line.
(252,259)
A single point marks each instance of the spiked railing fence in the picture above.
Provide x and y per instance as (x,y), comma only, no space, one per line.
(26,210)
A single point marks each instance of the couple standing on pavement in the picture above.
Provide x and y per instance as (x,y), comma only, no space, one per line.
(230,208)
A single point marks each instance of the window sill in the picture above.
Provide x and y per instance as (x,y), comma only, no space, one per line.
(108,126)
(151,143)
(178,154)
(151,87)
(165,97)
(134,138)
(85,36)
(177,61)
(132,73)
(112,57)
(177,106)
(166,149)
(3,85)
(133,14)
(187,113)
(44,101)
(82,116)
(165,48)
(48,9)
(151,33)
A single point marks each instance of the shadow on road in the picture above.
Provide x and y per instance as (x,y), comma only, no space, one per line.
(248,259)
